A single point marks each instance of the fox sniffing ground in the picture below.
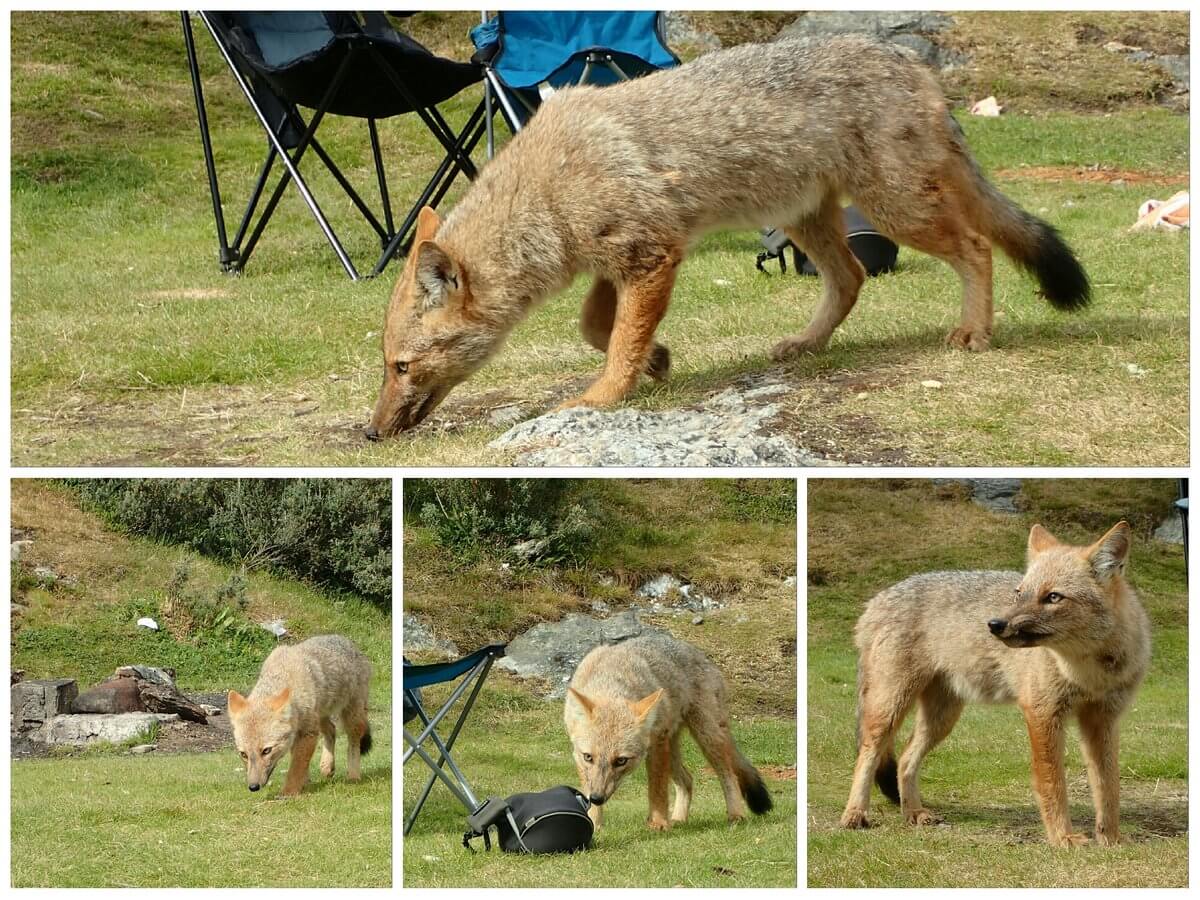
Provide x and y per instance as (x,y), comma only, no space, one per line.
(631,701)
(301,691)
(617,182)
(1068,639)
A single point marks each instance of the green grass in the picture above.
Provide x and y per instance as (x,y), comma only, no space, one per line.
(130,347)
(188,821)
(865,535)
(514,744)
(185,820)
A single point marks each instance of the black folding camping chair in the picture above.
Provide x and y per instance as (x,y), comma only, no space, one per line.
(473,670)
(340,63)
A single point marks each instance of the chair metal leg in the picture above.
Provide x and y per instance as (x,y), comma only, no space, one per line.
(381,175)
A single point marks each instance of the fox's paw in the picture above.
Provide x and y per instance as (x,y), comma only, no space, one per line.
(923,817)
(1070,839)
(974,340)
(659,364)
(326,768)
(855,818)
(794,346)
(1105,839)
(657,823)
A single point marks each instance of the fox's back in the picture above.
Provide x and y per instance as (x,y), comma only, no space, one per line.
(321,672)
(635,668)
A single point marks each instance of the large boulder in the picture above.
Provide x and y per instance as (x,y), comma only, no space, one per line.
(551,650)
(117,695)
(95,728)
(36,702)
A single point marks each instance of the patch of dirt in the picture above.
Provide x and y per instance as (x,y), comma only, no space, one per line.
(1089,175)
(192,737)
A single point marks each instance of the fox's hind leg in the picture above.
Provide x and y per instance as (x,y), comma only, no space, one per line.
(932,216)
(328,736)
(883,702)
(938,709)
(354,724)
(708,722)
(822,237)
(596,323)
(682,779)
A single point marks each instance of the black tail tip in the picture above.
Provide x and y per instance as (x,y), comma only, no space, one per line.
(758,798)
(887,779)
(364,746)
(1064,282)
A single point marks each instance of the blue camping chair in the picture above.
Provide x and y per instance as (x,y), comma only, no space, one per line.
(473,670)
(336,63)
(527,55)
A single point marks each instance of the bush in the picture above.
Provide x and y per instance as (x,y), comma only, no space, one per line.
(469,515)
(336,533)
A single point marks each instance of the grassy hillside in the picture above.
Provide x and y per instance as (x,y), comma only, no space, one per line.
(865,535)
(178,820)
(734,541)
(172,362)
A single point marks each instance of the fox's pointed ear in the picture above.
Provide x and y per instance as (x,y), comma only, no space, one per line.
(588,706)
(1040,540)
(642,708)
(1108,554)
(438,277)
(237,703)
(428,222)
(279,701)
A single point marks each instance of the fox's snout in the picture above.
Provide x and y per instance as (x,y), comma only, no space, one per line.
(596,799)
(997,626)
(254,786)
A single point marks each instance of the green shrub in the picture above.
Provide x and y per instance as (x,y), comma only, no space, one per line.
(336,533)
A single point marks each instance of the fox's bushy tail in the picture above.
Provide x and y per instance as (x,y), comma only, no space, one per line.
(886,777)
(364,746)
(1032,244)
(755,792)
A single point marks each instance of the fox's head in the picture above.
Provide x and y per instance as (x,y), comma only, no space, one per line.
(609,737)
(1068,596)
(434,336)
(262,732)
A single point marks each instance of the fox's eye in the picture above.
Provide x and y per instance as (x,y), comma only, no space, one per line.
(587,757)
(242,754)
(620,761)
(401,366)
(1052,597)
(266,751)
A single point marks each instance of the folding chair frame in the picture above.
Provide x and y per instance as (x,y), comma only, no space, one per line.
(458,785)
(234,255)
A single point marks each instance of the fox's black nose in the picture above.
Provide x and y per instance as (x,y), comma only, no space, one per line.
(255,787)
(596,800)
(997,626)
(372,433)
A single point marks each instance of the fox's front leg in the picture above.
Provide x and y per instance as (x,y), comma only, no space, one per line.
(1049,778)
(297,776)
(658,774)
(641,304)
(1098,728)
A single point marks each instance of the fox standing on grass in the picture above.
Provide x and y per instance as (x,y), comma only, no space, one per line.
(1067,639)
(617,182)
(301,690)
(632,700)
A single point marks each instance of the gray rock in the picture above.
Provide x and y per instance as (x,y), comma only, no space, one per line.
(275,626)
(17,548)
(1178,67)
(89,729)
(929,52)
(118,695)
(996,494)
(724,430)
(530,549)
(790,581)
(1171,529)
(38,701)
(503,416)
(552,650)
(210,710)
(45,575)
(678,596)
(880,24)
(698,620)
(417,637)
(680,29)
(599,606)
(153,674)
(143,748)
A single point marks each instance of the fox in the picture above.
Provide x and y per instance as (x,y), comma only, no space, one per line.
(617,182)
(1068,638)
(631,701)
(301,690)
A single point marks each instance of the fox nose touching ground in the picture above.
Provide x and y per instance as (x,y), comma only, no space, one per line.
(616,183)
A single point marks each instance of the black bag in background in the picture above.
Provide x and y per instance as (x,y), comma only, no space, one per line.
(876,252)
(550,821)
